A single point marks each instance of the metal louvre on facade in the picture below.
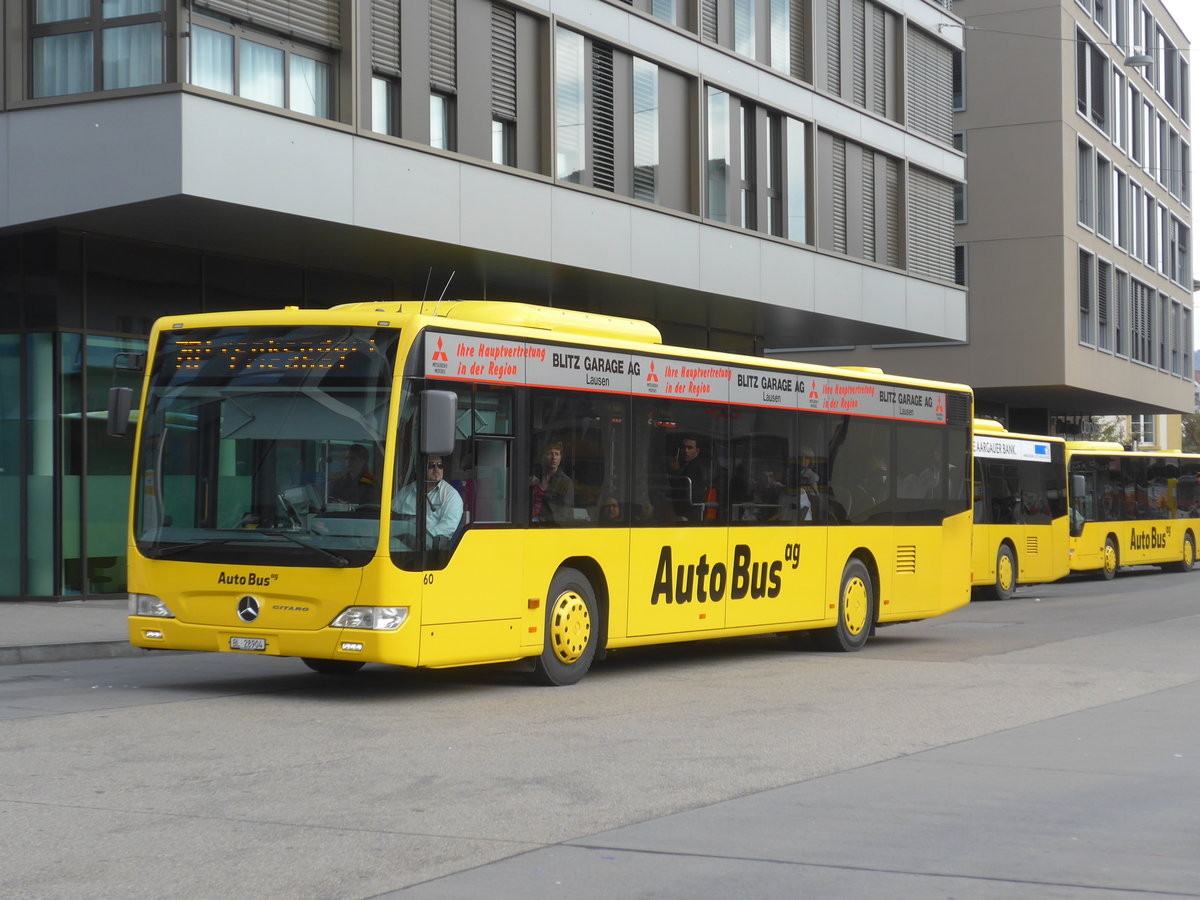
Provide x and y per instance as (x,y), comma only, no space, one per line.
(882,82)
(892,167)
(708,20)
(443,48)
(930,225)
(858,41)
(930,86)
(318,21)
(799,43)
(604,167)
(833,47)
(839,194)
(385,36)
(868,194)
(504,61)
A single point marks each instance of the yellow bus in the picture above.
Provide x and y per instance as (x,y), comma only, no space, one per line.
(1021,533)
(1132,508)
(442,484)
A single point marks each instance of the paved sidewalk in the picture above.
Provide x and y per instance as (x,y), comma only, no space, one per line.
(32,631)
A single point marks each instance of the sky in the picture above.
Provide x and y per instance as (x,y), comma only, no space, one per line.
(1187,14)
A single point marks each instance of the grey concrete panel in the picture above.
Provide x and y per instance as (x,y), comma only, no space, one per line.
(406,192)
(729,262)
(664,249)
(506,214)
(838,287)
(65,159)
(925,303)
(787,276)
(883,298)
(590,231)
(275,162)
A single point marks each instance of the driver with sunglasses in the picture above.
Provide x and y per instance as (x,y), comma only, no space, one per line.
(442,503)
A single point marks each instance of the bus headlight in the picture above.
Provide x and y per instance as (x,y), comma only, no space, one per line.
(148,605)
(372,618)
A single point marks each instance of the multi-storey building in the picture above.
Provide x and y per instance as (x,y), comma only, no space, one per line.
(727,168)
(1074,226)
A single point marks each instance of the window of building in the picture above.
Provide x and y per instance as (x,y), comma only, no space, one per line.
(929,85)
(1120,135)
(1123,210)
(385,66)
(1136,228)
(1092,71)
(1164,331)
(958,87)
(862,207)
(1104,204)
(1120,314)
(569,111)
(1121,24)
(1150,231)
(1087,265)
(1141,323)
(1137,133)
(1086,185)
(1104,285)
(645,130)
(744,27)
(504,84)
(79,46)
(233,59)
(1141,428)
(443,73)
(796,135)
(1176,324)
(960,264)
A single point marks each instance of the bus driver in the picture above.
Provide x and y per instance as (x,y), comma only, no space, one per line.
(442,503)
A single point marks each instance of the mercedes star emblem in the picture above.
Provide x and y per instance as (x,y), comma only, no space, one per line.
(247,609)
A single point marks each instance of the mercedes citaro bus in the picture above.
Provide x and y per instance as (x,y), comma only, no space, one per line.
(442,484)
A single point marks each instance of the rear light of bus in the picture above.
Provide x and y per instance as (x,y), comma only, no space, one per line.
(148,605)
(372,618)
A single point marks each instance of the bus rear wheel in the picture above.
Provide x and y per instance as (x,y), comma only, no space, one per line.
(331,666)
(571,630)
(1189,555)
(856,611)
(1006,574)
(1112,559)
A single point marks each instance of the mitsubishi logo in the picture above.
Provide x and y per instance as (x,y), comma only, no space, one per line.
(247,609)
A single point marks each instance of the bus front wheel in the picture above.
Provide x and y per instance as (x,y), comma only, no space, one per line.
(331,666)
(571,630)
(1006,574)
(856,611)
(1112,559)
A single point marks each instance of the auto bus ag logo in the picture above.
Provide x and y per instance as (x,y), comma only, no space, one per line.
(247,608)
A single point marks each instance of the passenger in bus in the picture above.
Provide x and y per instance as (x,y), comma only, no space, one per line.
(356,485)
(689,480)
(808,498)
(871,490)
(610,510)
(442,504)
(553,493)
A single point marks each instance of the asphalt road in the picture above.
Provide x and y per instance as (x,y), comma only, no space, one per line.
(1042,747)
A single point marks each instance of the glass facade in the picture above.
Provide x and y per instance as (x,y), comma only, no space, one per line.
(64,482)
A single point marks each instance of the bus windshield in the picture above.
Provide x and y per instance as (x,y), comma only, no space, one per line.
(263,444)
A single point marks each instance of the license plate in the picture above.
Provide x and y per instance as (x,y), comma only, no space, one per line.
(247,643)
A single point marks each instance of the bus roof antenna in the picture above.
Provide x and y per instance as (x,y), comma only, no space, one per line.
(443,294)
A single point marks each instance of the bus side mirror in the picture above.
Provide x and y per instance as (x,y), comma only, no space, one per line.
(120,401)
(439,410)
(1078,487)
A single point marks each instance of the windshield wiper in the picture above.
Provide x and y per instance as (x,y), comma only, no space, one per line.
(247,535)
(340,560)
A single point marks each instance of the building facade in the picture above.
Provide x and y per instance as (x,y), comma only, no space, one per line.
(1074,226)
(726,168)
